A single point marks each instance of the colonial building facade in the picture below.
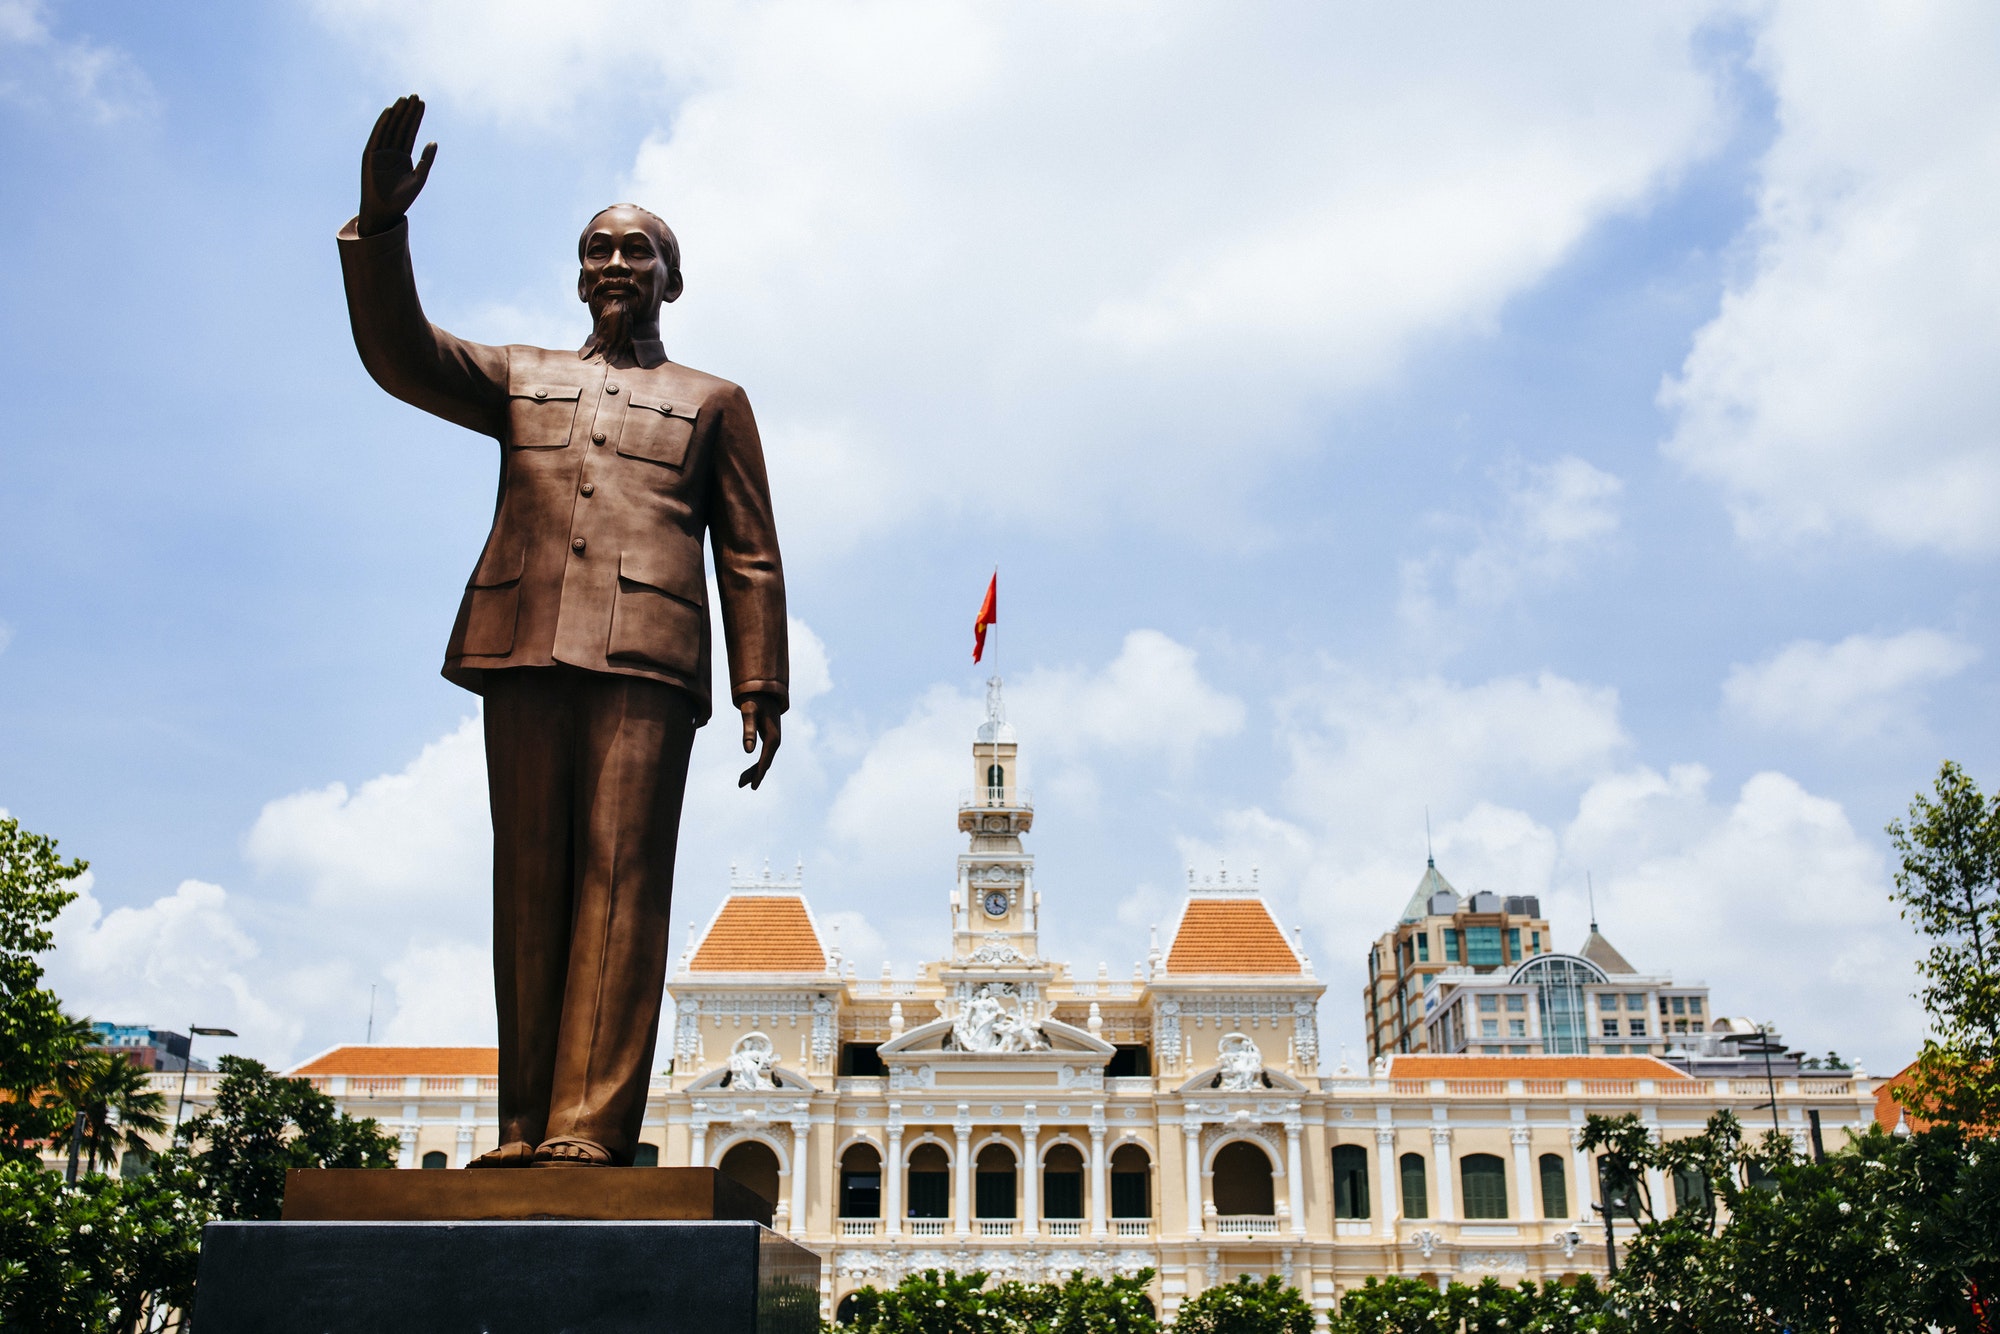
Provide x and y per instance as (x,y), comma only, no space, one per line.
(995,1111)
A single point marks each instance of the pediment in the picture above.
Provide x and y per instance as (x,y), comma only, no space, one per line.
(1066,1042)
(786,1080)
(1267,1080)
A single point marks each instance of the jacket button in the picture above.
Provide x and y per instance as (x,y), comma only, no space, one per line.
(541,393)
(588,488)
(610,388)
(597,437)
(576,545)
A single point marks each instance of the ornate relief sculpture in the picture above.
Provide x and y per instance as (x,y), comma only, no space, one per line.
(750,1064)
(1242,1064)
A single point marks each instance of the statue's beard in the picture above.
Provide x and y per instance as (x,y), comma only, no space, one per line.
(611,334)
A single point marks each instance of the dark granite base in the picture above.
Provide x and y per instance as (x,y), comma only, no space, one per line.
(540,1277)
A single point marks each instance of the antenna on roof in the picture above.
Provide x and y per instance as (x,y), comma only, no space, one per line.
(1591,890)
(1430,860)
(371,1016)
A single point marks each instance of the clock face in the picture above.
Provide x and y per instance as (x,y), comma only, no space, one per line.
(996,903)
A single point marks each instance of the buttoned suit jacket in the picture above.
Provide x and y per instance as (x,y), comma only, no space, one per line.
(609,476)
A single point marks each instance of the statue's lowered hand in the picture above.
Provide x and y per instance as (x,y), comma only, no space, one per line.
(760,722)
(390,181)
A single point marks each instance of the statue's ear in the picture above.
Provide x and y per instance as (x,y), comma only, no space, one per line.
(583,286)
(674,286)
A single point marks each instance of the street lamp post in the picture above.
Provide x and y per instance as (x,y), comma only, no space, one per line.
(187,1063)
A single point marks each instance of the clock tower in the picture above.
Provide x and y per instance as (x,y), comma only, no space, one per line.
(995,902)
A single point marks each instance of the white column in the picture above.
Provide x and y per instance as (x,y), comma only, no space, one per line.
(406,1155)
(1585,1188)
(1099,1181)
(1388,1183)
(1032,1180)
(892,1175)
(962,1175)
(1192,1129)
(1441,1156)
(1295,1179)
(697,1143)
(467,1127)
(1524,1175)
(801,1144)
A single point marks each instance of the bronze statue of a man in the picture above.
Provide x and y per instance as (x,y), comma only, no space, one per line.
(585,626)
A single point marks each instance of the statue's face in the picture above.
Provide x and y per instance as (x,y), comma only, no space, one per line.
(625,260)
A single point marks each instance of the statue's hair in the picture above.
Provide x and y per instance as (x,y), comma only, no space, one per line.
(673,244)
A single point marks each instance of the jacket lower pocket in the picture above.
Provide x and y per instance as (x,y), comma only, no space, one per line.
(656,628)
(490,618)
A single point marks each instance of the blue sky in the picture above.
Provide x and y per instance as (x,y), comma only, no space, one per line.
(1577,421)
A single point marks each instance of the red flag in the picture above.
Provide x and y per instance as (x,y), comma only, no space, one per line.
(989,614)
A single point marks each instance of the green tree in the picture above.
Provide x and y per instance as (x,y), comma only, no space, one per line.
(1411,1306)
(1113,1305)
(1246,1306)
(932,1302)
(1949,887)
(102,1255)
(35,1036)
(262,1125)
(114,1101)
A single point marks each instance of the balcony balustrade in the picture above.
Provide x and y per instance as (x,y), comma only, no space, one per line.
(1246,1225)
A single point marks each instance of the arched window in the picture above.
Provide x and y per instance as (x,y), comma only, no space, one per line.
(850,1306)
(134,1163)
(1485,1178)
(1618,1192)
(1691,1189)
(1559,980)
(1555,1188)
(752,1163)
(1350,1181)
(996,781)
(1062,1183)
(1243,1180)
(646,1155)
(930,1182)
(1416,1193)
(861,1182)
(435,1159)
(993,1183)
(1131,1182)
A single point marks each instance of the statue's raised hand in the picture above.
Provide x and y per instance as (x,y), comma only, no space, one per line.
(390,182)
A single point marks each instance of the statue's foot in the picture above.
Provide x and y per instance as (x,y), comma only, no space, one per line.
(518,1153)
(573,1153)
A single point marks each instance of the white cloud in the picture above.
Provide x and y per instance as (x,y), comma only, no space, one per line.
(1847,382)
(1136,253)
(1549,517)
(1865,686)
(184,958)
(415,844)
(443,994)
(1772,899)
(1530,784)
(38,68)
(1151,699)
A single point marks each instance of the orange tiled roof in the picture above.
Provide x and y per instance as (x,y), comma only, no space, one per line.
(760,933)
(374,1060)
(1229,936)
(1531,1067)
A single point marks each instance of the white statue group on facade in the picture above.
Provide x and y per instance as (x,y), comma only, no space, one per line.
(993,1019)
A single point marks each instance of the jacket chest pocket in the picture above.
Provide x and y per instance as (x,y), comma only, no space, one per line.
(541,416)
(657,430)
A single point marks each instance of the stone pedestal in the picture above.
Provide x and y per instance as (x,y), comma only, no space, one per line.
(435,1259)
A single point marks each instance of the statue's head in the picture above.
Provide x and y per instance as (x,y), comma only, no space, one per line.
(629,265)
